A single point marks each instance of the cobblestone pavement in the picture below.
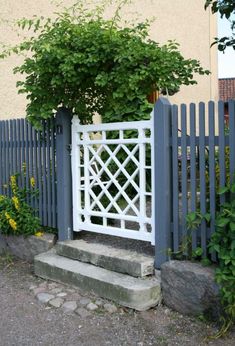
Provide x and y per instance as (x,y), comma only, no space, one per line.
(36,312)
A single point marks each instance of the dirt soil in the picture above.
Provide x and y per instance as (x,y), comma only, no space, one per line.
(24,321)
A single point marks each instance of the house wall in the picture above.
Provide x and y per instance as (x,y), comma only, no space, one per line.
(185,21)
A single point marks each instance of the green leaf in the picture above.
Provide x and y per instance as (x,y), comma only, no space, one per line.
(223,190)
(207,217)
(222,222)
(232,226)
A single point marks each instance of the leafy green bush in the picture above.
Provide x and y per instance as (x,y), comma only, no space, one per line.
(90,65)
(223,244)
(16,216)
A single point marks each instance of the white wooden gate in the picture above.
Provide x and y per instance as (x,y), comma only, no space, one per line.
(112,171)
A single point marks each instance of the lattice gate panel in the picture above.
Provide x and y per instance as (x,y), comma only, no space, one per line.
(112,169)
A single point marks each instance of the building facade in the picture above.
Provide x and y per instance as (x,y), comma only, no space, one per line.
(184,21)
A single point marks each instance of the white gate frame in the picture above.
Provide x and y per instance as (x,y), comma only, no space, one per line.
(85,176)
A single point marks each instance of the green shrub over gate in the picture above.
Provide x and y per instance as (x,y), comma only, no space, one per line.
(90,65)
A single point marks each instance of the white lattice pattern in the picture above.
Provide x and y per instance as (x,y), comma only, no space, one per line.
(112,178)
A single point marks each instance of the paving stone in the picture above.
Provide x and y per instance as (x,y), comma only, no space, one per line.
(99,302)
(69,306)
(38,290)
(75,296)
(83,312)
(56,290)
(84,301)
(43,284)
(92,307)
(44,297)
(110,308)
(52,285)
(71,290)
(56,302)
(62,294)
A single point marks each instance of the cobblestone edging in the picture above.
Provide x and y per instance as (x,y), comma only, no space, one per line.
(70,300)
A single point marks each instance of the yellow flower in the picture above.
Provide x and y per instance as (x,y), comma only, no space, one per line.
(24,168)
(13,183)
(16,202)
(2,197)
(7,215)
(39,234)
(13,224)
(32,181)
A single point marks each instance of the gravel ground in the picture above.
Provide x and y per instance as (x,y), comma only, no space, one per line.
(26,321)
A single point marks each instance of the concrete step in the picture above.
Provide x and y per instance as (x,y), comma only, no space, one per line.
(108,257)
(135,293)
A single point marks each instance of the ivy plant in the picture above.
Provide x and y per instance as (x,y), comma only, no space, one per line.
(90,65)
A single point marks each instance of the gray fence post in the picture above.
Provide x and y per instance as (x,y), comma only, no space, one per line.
(64,174)
(162,180)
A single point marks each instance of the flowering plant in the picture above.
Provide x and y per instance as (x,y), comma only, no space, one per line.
(16,215)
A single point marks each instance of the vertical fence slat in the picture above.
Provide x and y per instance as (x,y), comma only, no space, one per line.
(212,181)
(222,169)
(11,154)
(53,172)
(1,158)
(31,168)
(44,173)
(162,173)
(202,166)
(3,173)
(18,159)
(35,170)
(48,173)
(27,156)
(14,146)
(35,161)
(22,140)
(184,178)
(231,111)
(7,155)
(193,165)
(175,178)
(39,166)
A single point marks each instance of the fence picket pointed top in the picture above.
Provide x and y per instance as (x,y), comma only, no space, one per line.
(75,120)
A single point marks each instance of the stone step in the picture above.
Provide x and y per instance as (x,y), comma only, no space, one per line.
(108,257)
(135,293)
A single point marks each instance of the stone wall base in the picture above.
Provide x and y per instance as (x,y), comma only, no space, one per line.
(190,288)
(27,247)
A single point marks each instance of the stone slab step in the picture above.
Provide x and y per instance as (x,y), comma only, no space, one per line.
(135,293)
(108,257)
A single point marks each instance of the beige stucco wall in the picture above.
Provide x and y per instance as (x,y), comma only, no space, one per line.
(185,21)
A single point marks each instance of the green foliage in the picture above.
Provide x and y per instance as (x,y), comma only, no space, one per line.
(226,8)
(194,219)
(6,260)
(16,216)
(185,251)
(90,65)
(223,244)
